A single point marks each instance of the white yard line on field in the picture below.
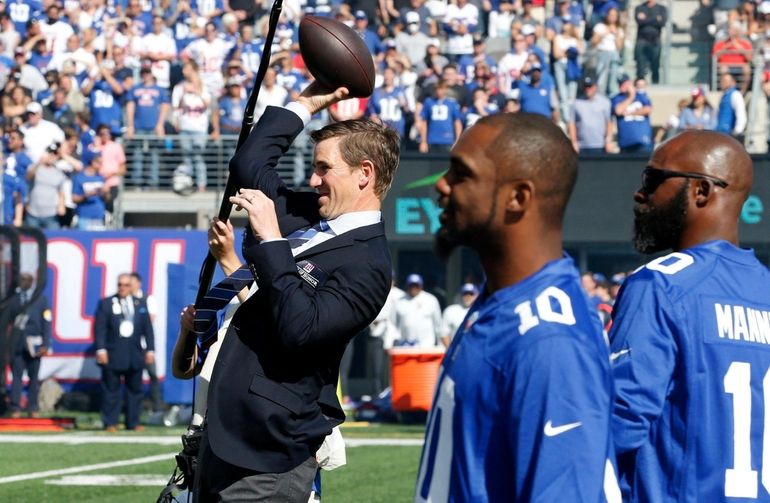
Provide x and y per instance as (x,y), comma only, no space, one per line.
(85,468)
(96,438)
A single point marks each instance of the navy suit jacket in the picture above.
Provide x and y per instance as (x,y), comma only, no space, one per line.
(272,397)
(125,353)
(35,318)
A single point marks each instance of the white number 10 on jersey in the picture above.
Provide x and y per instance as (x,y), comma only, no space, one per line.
(741,480)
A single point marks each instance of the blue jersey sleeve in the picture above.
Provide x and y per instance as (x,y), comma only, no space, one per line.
(425,112)
(559,420)
(643,356)
(457,114)
(77,185)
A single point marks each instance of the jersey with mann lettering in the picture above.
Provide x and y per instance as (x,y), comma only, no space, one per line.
(522,405)
(690,346)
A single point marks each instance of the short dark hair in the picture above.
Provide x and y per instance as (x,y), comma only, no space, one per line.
(531,146)
(362,140)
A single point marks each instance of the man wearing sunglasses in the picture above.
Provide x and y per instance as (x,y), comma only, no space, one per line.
(120,323)
(690,337)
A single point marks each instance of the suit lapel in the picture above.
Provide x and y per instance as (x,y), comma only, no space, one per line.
(345,239)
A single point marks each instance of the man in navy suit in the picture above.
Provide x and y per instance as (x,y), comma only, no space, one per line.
(30,340)
(322,268)
(121,322)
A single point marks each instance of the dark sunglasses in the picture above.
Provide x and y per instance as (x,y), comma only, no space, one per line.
(653,177)
(124,284)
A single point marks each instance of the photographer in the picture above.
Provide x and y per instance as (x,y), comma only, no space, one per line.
(46,196)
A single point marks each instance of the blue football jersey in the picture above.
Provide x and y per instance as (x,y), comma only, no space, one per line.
(522,405)
(690,352)
(388,106)
(441,115)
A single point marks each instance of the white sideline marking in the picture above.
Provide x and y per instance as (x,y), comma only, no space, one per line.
(85,438)
(149,480)
(89,438)
(85,468)
(393,442)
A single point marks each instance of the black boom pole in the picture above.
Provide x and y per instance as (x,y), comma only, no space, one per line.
(209,263)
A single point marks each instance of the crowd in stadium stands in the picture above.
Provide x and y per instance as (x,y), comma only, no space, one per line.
(82,81)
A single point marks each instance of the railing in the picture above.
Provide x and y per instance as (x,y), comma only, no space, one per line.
(215,155)
(756,129)
(739,79)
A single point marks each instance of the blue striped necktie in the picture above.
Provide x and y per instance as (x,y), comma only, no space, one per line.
(205,324)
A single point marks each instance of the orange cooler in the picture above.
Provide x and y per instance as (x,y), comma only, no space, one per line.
(413,374)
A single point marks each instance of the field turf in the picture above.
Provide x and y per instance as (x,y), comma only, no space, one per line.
(373,473)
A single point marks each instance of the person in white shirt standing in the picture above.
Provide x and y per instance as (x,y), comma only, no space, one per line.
(418,315)
(209,53)
(455,314)
(55,31)
(460,22)
(159,47)
(38,132)
(192,115)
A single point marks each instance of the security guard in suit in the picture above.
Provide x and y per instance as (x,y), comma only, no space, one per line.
(30,340)
(120,323)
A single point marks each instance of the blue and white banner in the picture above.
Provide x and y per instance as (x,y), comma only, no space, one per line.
(83,267)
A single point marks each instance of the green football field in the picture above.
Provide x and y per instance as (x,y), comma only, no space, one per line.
(83,465)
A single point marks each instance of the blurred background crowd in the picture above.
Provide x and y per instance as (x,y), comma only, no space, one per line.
(101,95)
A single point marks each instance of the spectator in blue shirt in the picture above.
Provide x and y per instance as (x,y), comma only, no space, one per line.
(90,194)
(104,93)
(146,111)
(467,62)
(440,121)
(22,12)
(231,108)
(370,38)
(388,103)
(537,96)
(699,114)
(631,108)
(17,162)
(14,193)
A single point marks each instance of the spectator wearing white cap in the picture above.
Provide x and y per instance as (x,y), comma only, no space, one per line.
(38,132)
(411,41)
(418,315)
(455,314)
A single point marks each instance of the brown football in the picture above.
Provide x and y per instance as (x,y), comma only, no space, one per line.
(336,56)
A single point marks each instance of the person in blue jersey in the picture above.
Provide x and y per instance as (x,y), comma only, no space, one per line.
(90,195)
(231,108)
(388,103)
(537,96)
(104,93)
(16,162)
(22,12)
(467,62)
(523,400)
(147,107)
(631,108)
(690,333)
(440,121)
(14,193)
